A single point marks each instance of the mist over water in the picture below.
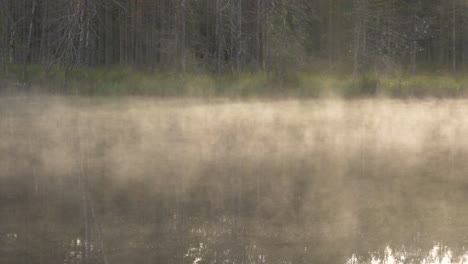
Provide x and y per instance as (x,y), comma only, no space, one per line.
(199,181)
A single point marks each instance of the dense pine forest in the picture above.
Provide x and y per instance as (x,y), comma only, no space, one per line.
(278,39)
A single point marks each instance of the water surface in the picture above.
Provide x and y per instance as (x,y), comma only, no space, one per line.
(194,181)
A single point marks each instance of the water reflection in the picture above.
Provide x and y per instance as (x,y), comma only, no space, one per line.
(437,255)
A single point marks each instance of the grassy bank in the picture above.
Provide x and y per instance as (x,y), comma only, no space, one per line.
(119,81)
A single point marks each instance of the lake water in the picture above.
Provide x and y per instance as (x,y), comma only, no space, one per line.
(134,180)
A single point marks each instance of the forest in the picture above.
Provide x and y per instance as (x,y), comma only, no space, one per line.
(392,45)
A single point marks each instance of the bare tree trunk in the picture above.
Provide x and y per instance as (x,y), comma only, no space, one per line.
(239,37)
(162,36)
(9,45)
(454,37)
(258,35)
(44,39)
(217,36)
(86,36)
(330,32)
(175,50)
(4,42)
(357,33)
(337,30)
(27,55)
(219,32)
(233,37)
(364,36)
(413,57)
(183,40)
(266,55)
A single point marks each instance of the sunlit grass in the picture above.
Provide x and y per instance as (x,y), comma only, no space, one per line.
(425,86)
(123,80)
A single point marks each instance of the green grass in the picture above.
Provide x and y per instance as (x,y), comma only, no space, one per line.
(121,81)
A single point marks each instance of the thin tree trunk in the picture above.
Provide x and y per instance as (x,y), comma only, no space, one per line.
(11,43)
(337,31)
(330,32)
(162,36)
(219,36)
(86,37)
(239,37)
(175,34)
(44,47)
(413,57)
(183,40)
(233,37)
(357,37)
(28,44)
(6,43)
(258,35)
(266,56)
(454,37)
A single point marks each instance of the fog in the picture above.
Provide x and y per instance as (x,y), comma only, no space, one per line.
(203,181)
